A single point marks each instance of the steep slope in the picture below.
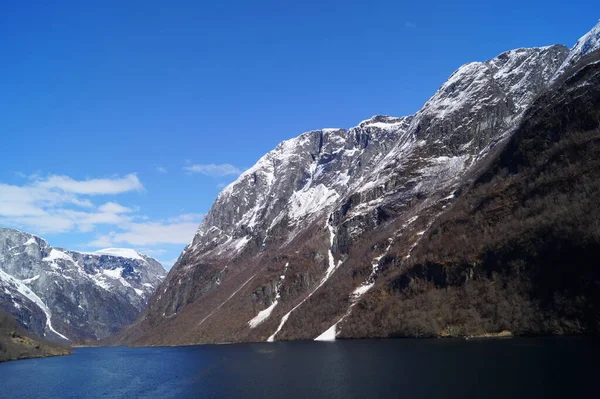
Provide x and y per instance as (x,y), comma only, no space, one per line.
(585,46)
(16,343)
(69,295)
(519,249)
(331,221)
(295,242)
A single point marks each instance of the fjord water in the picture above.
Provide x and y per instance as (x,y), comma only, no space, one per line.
(507,368)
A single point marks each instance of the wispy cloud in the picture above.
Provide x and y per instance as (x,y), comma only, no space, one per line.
(410,25)
(148,234)
(113,207)
(92,186)
(64,205)
(213,170)
(161,169)
(187,217)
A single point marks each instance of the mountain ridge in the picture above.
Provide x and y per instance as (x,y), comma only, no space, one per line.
(294,245)
(87,295)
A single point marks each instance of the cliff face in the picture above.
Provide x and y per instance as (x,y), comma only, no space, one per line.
(320,237)
(518,249)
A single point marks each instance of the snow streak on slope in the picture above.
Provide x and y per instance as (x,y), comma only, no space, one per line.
(331,332)
(384,169)
(27,293)
(264,314)
(225,301)
(330,270)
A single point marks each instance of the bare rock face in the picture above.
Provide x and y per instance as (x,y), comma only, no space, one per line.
(68,295)
(304,239)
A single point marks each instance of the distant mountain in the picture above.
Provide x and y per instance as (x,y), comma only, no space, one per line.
(336,233)
(69,295)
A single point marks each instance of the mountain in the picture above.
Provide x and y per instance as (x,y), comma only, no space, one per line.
(585,47)
(68,295)
(16,343)
(335,233)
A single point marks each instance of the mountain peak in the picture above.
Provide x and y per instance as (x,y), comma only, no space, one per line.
(122,252)
(587,44)
(380,121)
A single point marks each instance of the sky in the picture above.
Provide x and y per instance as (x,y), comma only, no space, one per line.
(120,121)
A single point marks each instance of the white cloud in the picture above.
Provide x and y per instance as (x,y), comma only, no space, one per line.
(62,220)
(113,207)
(85,221)
(187,217)
(61,204)
(148,234)
(93,186)
(213,170)
(57,204)
(161,169)
(46,223)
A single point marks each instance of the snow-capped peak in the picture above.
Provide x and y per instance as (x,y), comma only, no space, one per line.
(381,121)
(122,252)
(587,44)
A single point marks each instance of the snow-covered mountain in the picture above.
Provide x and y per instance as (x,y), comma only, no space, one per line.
(292,247)
(69,295)
(305,177)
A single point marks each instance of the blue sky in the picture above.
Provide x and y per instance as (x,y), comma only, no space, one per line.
(121,121)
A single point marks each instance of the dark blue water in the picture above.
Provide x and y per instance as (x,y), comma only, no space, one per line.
(526,368)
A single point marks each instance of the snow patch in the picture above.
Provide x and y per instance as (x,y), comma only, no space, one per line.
(311,200)
(264,314)
(115,273)
(328,335)
(121,252)
(55,255)
(30,280)
(32,296)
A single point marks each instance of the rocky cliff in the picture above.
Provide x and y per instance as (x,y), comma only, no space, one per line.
(320,237)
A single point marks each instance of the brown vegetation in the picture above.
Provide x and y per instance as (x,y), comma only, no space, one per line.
(15,343)
(519,249)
